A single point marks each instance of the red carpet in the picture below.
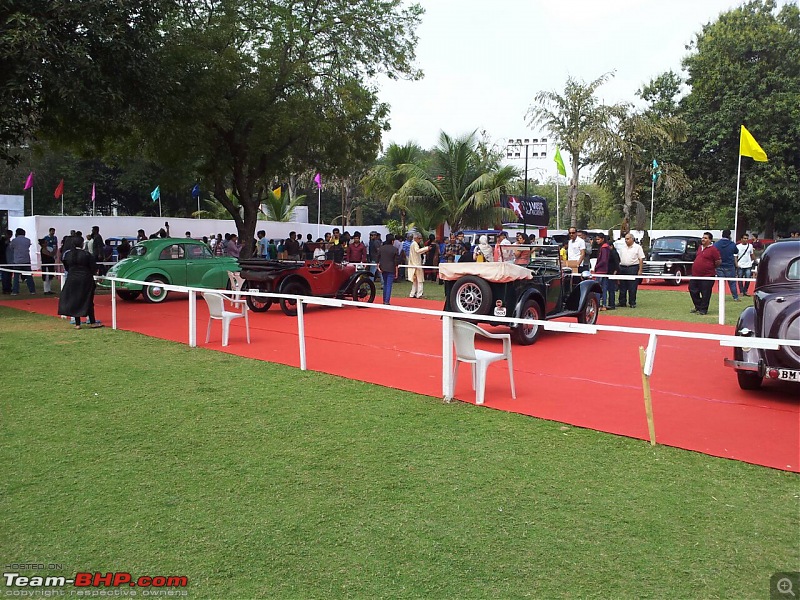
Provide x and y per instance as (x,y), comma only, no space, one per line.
(590,381)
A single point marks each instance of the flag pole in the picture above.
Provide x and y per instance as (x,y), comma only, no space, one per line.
(62,204)
(652,198)
(159,206)
(736,214)
(319,209)
(558,207)
(31,200)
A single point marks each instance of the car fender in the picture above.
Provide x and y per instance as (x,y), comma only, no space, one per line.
(578,296)
(294,279)
(747,320)
(214,279)
(141,274)
(529,294)
(350,284)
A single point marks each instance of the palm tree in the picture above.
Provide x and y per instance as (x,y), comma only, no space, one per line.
(281,207)
(462,187)
(576,119)
(626,148)
(386,178)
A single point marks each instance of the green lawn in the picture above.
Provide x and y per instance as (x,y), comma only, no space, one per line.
(126,453)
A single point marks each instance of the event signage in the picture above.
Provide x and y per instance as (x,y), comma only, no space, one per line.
(531,210)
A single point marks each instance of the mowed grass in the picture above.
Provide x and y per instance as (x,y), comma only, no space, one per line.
(254,480)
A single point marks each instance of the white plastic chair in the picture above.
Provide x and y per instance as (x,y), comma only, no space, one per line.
(236,285)
(464,342)
(216,311)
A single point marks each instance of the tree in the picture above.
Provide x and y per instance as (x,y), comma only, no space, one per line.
(386,178)
(460,188)
(255,89)
(576,120)
(68,67)
(281,208)
(627,147)
(744,68)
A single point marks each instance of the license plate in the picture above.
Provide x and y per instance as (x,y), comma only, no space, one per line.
(500,311)
(788,375)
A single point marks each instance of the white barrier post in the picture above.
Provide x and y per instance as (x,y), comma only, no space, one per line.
(192,318)
(722,301)
(301,333)
(448,385)
(113,304)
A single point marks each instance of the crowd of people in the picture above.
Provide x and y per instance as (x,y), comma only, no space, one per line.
(419,257)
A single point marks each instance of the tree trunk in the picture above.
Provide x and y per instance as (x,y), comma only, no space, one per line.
(573,192)
(629,183)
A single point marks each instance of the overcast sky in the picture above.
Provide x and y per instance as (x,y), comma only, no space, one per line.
(484,60)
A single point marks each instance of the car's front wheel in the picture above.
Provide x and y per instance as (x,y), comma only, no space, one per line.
(678,273)
(527,333)
(256,303)
(471,295)
(127,295)
(155,293)
(590,311)
(364,290)
(748,380)
(289,305)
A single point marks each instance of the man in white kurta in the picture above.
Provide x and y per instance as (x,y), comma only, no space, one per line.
(416,275)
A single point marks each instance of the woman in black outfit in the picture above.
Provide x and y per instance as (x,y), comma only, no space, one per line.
(77,297)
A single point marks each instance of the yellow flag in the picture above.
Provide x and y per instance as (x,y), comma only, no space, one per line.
(277,190)
(748,146)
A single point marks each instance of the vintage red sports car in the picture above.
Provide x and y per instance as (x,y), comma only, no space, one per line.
(324,278)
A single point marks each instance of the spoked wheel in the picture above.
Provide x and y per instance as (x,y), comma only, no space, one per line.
(289,305)
(155,293)
(471,295)
(364,290)
(256,303)
(590,311)
(527,334)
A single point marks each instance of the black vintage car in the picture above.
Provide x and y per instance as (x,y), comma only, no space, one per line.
(775,314)
(544,290)
(671,255)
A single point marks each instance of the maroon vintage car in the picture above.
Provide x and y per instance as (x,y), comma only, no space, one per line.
(324,278)
(775,314)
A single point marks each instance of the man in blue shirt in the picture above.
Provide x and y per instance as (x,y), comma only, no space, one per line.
(727,268)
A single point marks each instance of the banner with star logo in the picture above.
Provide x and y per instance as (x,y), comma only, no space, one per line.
(531,210)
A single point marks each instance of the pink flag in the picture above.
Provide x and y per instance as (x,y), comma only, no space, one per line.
(92,193)
(28,182)
(317,180)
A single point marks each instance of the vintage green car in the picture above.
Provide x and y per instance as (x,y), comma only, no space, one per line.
(175,261)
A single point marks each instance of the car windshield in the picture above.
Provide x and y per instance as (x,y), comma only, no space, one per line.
(138,250)
(670,244)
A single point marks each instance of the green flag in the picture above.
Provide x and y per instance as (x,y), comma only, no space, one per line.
(560,163)
(656,170)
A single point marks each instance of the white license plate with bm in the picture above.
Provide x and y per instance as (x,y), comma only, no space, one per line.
(788,375)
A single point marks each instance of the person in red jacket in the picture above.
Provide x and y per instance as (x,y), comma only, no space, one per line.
(705,265)
(356,250)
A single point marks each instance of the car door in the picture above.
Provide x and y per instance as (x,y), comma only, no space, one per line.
(172,261)
(199,260)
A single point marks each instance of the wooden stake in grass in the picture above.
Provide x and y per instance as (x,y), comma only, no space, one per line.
(646,360)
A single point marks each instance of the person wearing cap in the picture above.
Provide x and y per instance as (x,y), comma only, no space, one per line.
(415,273)
(356,250)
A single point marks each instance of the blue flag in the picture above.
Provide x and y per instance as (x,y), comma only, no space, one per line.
(156,194)
(656,170)
(196,190)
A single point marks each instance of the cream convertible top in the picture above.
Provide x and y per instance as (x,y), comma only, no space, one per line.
(497,272)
